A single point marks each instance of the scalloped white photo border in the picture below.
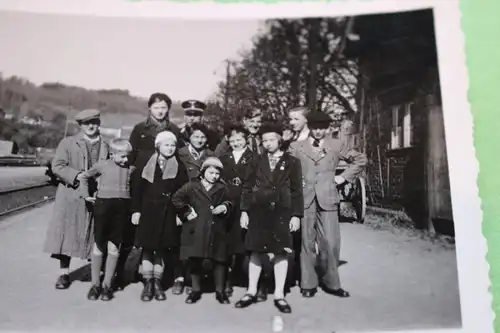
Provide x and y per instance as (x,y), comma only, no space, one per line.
(471,246)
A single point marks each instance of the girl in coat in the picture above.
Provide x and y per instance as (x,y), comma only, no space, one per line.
(154,214)
(142,140)
(196,151)
(237,161)
(204,206)
(271,208)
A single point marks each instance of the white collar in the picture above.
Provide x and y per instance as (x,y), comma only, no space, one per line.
(238,153)
(304,134)
(278,153)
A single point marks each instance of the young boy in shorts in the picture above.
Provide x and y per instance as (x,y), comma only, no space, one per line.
(111,214)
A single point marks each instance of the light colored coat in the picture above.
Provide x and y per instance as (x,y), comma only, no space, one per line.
(70,229)
(319,170)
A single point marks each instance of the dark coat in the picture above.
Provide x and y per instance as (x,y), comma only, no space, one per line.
(157,227)
(205,236)
(193,166)
(142,140)
(233,176)
(271,199)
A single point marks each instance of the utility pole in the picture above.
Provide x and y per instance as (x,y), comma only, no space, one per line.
(226,93)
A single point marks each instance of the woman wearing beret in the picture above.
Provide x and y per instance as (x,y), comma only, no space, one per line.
(70,230)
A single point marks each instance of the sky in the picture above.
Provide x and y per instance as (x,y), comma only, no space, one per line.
(143,55)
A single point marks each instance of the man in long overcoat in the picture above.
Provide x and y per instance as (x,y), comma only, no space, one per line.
(70,230)
(320,156)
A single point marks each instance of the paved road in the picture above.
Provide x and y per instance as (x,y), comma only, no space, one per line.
(14,177)
(396,282)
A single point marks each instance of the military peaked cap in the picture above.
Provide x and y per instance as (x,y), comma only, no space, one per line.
(193,105)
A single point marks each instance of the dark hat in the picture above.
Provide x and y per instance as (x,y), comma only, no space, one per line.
(193,105)
(318,120)
(87,115)
(271,128)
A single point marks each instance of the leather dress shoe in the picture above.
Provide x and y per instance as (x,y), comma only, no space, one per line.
(246,301)
(308,293)
(221,297)
(94,293)
(158,290)
(148,291)
(63,282)
(282,305)
(178,287)
(337,292)
(193,297)
(107,294)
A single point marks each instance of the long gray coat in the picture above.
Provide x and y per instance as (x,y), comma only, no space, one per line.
(70,231)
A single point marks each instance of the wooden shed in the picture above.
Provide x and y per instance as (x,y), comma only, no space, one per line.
(400,122)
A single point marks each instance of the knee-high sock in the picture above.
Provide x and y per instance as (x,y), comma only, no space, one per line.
(280,273)
(254,270)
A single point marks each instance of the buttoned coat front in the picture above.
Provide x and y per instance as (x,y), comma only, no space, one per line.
(193,165)
(70,231)
(233,175)
(157,227)
(271,199)
(319,170)
(205,236)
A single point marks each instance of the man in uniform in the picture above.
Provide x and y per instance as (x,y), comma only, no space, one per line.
(193,113)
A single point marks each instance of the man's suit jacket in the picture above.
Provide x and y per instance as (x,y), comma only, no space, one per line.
(319,169)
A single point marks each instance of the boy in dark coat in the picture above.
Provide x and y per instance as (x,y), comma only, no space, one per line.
(204,206)
(271,205)
(237,161)
(154,214)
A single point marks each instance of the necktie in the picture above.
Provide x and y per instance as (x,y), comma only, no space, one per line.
(316,143)
(253,144)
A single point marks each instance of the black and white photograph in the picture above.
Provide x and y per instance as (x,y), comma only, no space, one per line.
(278,170)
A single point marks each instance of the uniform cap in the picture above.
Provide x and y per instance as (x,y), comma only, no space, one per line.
(193,105)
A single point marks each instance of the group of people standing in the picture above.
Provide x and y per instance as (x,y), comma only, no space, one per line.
(200,205)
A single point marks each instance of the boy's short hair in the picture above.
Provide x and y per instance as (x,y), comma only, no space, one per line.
(120,145)
(302,109)
(252,113)
(237,128)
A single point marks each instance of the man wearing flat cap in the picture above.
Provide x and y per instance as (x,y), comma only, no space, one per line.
(69,233)
(193,113)
(320,156)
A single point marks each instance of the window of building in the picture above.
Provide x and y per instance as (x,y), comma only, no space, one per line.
(402,129)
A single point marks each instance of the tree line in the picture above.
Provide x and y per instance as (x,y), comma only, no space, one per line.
(293,63)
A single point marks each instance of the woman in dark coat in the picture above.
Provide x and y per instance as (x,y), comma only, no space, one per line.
(237,161)
(196,151)
(142,140)
(204,206)
(157,231)
(272,205)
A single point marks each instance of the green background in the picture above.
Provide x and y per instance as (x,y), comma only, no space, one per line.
(481,26)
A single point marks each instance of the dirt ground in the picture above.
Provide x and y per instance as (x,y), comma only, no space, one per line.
(397,280)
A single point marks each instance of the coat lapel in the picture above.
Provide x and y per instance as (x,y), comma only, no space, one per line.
(281,169)
(306,148)
(265,168)
(80,141)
